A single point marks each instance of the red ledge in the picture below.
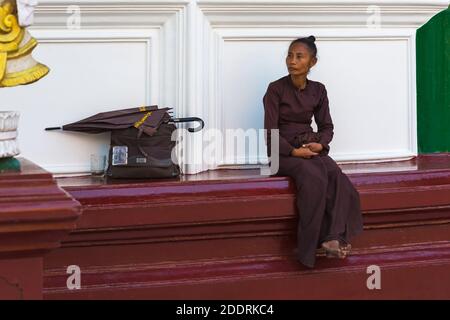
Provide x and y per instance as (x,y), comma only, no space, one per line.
(414,196)
(35,214)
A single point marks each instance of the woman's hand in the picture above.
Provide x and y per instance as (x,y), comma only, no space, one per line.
(314,146)
(303,152)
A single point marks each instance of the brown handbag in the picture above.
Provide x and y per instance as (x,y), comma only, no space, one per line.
(134,154)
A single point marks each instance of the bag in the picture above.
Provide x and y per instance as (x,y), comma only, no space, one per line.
(134,154)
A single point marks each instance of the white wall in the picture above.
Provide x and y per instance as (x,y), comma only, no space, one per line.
(214,59)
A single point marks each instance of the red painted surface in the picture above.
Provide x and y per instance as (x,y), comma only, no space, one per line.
(35,214)
(231,234)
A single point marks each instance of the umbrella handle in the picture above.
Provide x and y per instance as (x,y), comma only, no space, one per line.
(189,119)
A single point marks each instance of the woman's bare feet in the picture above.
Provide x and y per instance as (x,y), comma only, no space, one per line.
(346,248)
(333,249)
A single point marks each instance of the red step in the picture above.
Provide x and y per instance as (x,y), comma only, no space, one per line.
(231,233)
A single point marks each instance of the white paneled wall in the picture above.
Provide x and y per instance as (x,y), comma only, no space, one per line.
(214,59)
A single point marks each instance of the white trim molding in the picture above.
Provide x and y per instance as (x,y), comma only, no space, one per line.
(319,13)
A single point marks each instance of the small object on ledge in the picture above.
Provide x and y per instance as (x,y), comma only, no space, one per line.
(9,165)
(98,164)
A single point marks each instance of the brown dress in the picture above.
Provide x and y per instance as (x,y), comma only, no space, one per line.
(328,204)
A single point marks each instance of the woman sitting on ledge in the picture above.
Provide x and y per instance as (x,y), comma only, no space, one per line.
(328,204)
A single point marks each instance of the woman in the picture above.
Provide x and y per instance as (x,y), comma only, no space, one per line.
(327,202)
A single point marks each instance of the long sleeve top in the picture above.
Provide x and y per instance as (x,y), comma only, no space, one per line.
(290,110)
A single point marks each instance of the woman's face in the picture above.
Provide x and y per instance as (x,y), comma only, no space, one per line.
(299,60)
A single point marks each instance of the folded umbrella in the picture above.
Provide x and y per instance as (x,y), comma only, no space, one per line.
(146,119)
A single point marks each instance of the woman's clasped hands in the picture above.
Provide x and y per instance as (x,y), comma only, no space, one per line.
(307,150)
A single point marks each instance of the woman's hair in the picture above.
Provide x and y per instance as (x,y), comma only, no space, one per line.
(309,42)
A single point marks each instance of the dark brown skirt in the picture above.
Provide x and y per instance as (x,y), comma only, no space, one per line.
(327,202)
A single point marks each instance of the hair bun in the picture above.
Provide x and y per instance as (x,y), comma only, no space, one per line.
(311,38)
